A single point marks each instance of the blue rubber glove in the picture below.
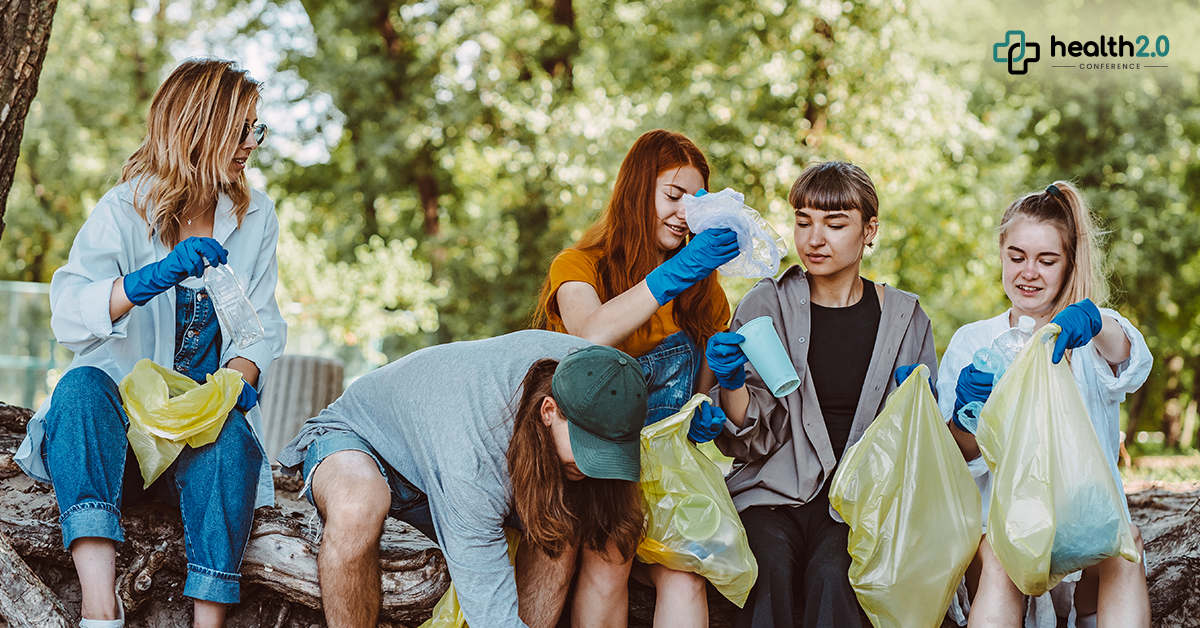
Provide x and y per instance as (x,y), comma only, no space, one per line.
(247,399)
(706,423)
(1080,323)
(185,260)
(708,250)
(973,385)
(726,359)
(902,373)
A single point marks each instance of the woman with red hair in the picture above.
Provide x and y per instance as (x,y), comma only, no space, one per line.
(637,282)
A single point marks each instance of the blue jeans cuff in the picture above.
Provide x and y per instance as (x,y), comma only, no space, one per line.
(91,519)
(210,585)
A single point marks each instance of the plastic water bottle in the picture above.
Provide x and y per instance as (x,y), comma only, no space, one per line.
(234,311)
(1005,348)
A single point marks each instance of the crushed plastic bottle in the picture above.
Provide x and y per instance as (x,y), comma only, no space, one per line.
(996,360)
(234,310)
(1005,348)
(760,247)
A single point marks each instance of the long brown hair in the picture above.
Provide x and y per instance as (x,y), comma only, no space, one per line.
(192,131)
(557,513)
(1067,211)
(625,236)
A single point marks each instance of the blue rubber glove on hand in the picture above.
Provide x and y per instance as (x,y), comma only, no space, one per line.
(902,373)
(973,385)
(706,423)
(185,260)
(707,251)
(247,399)
(1080,323)
(727,360)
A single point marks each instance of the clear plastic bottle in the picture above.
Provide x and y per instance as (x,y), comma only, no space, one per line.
(1005,348)
(234,311)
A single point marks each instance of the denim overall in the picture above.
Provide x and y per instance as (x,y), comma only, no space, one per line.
(95,472)
(670,370)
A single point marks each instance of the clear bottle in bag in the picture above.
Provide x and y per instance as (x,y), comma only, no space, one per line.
(1005,348)
(234,310)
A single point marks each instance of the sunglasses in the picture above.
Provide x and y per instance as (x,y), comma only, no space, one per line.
(260,133)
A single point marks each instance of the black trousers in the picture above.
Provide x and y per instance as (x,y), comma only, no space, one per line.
(802,565)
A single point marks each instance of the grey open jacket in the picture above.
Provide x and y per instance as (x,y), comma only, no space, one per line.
(782,451)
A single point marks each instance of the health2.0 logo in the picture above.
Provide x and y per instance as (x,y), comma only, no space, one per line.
(1018,53)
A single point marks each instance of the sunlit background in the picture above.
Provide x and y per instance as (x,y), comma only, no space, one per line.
(428,159)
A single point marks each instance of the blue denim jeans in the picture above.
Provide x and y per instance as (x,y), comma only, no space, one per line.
(95,473)
(670,370)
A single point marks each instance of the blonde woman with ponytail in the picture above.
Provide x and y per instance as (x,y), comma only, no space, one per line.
(1051,272)
(131,290)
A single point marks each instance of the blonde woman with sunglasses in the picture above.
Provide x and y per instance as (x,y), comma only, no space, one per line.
(130,290)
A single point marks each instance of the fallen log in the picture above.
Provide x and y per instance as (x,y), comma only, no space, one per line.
(280,588)
(279,570)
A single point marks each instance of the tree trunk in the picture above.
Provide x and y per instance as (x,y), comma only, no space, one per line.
(24,34)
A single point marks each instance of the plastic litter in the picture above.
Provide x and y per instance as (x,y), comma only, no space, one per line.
(691,523)
(913,509)
(168,410)
(1055,506)
(761,248)
(1005,348)
(235,313)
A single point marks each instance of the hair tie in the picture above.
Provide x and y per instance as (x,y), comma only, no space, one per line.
(1054,191)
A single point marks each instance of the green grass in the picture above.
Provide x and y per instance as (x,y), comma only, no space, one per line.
(1177,468)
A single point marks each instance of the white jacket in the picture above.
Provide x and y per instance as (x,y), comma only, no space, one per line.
(113,242)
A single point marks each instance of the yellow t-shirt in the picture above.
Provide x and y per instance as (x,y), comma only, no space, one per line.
(576,265)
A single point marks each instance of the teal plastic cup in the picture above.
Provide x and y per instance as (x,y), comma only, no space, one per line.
(768,356)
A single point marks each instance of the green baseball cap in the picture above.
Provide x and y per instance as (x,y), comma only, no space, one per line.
(602,394)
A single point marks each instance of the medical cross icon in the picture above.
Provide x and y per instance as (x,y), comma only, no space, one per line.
(1016,52)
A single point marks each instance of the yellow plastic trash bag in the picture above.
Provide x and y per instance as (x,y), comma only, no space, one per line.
(168,410)
(447,613)
(691,523)
(913,510)
(1055,506)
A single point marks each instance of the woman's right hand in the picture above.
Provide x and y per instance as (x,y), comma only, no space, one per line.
(705,253)
(727,360)
(973,386)
(187,259)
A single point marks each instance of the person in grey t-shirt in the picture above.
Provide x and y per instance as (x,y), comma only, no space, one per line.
(533,430)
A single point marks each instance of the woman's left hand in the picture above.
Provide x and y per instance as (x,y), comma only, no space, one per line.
(1080,323)
(247,399)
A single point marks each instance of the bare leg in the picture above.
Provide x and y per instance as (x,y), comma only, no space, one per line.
(998,602)
(602,592)
(681,598)
(354,498)
(542,584)
(206,614)
(96,563)
(1122,597)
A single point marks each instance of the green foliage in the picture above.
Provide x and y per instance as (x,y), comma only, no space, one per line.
(469,142)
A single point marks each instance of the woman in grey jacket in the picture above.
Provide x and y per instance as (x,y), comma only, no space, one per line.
(846,336)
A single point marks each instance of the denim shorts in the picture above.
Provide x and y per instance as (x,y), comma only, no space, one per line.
(670,370)
(409,504)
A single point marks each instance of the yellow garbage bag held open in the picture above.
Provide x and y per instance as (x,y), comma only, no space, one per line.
(447,613)
(1055,506)
(691,523)
(913,510)
(168,410)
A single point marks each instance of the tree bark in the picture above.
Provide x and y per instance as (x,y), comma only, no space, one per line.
(24,34)
(279,570)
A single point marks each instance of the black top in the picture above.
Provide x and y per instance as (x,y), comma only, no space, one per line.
(843,339)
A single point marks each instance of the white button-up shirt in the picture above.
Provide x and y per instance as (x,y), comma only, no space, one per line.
(115,241)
